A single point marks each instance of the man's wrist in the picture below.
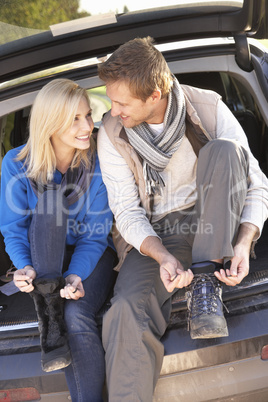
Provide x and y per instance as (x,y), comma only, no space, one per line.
(247,233)
(152,247)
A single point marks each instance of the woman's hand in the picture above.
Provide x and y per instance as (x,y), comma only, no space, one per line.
(23,278)
(73,288)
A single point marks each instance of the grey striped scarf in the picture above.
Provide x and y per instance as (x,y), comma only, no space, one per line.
(157,150)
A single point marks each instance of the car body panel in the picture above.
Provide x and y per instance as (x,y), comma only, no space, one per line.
(36,52)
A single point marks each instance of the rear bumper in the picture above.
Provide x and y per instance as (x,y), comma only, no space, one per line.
(222,369)
(24,371)
(244,380)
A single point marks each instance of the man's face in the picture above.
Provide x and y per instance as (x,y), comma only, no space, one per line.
(132,111)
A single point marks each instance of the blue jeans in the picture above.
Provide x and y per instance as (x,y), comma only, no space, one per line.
(50,256)
(47,234)
(86,374)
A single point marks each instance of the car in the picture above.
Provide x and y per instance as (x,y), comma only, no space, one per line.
(213,45)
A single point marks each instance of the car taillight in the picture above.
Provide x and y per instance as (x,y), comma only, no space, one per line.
(19,395)
(264,353)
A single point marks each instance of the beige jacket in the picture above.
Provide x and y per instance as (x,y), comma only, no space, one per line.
(198,102)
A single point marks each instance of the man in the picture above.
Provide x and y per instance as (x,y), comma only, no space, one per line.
(176,165)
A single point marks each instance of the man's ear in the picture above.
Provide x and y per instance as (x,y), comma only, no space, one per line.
(156,96)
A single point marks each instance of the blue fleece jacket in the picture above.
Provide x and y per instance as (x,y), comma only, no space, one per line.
(89,220)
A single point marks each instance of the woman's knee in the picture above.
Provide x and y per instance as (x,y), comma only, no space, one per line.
(78,319)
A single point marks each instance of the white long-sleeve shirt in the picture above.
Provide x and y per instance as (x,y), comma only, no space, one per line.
(180,190)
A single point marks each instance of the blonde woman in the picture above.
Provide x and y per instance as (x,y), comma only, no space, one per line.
(56,221)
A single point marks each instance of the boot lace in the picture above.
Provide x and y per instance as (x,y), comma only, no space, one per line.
(200,299)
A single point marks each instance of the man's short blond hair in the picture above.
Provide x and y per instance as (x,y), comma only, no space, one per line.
(141,66)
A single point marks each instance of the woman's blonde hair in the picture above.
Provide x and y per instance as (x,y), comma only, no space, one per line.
(53,111)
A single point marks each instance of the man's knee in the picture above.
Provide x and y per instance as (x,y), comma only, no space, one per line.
(225,152)
(222,145)
(120,322)
(123,307)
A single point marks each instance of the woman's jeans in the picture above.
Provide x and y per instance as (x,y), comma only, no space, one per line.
(85,376)
(47,234)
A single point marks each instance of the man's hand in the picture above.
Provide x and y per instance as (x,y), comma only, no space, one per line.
(73,289)
(239,268)
(171,271)
(173,275)
(23,279)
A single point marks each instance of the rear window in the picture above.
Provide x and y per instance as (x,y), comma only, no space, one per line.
(20,19)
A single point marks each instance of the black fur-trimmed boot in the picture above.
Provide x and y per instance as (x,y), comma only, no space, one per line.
(49,305)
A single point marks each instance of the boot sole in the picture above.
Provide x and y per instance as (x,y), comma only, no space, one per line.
(55,360)
(204,333)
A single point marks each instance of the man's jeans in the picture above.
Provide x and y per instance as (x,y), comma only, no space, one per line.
(141,305)
(47,235)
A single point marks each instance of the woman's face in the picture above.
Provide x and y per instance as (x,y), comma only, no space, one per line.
(77,136)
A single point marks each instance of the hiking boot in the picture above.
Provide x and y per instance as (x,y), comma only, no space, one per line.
(205,308)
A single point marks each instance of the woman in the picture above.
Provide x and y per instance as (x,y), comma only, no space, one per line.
(55,220)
